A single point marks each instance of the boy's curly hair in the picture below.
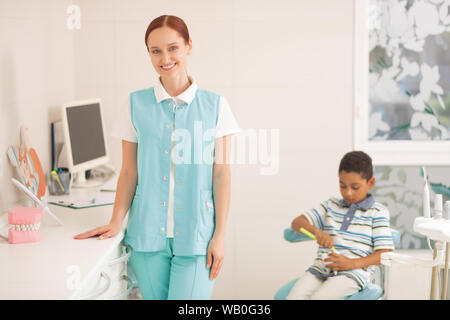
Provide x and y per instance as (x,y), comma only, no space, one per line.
(359,162)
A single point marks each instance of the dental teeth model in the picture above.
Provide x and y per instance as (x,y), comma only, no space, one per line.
(24,223)
(25,227)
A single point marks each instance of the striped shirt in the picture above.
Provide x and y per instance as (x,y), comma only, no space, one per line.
(358,230)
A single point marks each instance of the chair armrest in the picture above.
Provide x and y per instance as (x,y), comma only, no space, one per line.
(291,236)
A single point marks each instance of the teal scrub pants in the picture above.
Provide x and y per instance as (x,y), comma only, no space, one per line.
(163,276)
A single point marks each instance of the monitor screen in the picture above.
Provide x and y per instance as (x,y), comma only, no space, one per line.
(85,132)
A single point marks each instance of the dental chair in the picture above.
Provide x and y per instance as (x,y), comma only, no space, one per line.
(373,291)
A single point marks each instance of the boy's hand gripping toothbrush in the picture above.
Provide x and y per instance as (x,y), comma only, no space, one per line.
(309,234)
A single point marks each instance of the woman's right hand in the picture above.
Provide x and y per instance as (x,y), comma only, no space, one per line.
(324,239)
(108,231)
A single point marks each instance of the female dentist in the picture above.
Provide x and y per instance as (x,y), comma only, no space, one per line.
(175,176)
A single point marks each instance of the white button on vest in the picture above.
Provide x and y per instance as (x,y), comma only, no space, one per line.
(164,203)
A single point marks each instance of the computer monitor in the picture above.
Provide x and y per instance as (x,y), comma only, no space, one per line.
(84,138)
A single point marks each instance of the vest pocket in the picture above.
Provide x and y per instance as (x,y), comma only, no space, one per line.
(206,221)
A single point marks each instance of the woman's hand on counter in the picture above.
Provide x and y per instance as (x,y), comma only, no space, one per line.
(104,232)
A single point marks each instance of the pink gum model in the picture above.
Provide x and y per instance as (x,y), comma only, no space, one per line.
(24,223)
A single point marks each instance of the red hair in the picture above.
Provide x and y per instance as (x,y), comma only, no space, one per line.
(172,22)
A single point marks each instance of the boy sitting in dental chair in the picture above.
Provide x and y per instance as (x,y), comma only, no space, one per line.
(356,226)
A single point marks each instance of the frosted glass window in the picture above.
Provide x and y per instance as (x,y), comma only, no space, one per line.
(409,70)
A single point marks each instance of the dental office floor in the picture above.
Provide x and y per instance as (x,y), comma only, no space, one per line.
(281,65)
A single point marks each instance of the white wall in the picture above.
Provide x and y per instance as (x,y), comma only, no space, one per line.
(36,77)
(285,65)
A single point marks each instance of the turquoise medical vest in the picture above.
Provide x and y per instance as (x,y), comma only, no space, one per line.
(194,128)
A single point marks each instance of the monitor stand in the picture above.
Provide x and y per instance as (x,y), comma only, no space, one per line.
(80,181)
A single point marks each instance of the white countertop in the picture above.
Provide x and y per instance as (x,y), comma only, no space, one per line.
(41,270)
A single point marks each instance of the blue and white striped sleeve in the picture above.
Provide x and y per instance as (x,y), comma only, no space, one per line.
(381,231)
(317,216)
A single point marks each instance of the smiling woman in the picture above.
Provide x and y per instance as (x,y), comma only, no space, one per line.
(177,209)
(168,52)
(169,46)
